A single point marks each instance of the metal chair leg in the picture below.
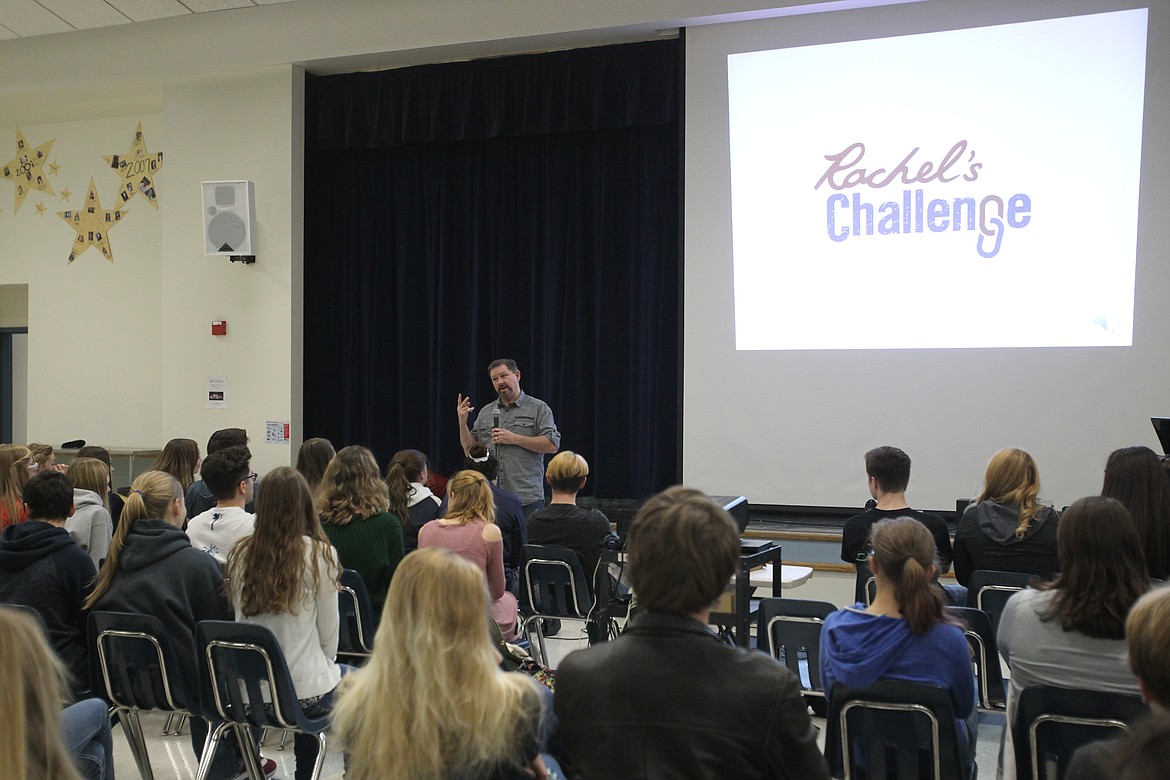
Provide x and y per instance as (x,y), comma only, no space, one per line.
(320,756)
(167,726)
(132,728)
(251,752)
(283,740)
(209,748)
(180,721)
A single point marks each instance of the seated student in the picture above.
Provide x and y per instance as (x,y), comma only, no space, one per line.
(1070,633)
(904,634)
(564,524)
(667,698)
(284,577)
(1134,476)
(15,462)
(90,525)
(354,508)
(410,498)
(469,529)
(41,567)
(1007,528)
(115,501)
(152,569)
(228,474)
(313,458)
(40,741)
(432,703)
(1147,635)
(199,497)
(509,518)
(888,471)
(180,458)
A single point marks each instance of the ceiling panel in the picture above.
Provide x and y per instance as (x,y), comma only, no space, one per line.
(24,18)
(83,14)
(27,17)
(144,10)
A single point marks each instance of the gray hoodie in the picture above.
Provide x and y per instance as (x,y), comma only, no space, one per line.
(90,526)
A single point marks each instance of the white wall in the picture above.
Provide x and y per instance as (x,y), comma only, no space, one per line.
(118,351)
(224,127)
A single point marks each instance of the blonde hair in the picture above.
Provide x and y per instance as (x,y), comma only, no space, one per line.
(150,496)
(32,692)
(351,487)
(91,474)
(1012,479)
(469,497)
(565,471)
(14,460)
(432,702)
(40,453)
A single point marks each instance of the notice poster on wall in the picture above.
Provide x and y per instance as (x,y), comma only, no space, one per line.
(217,392)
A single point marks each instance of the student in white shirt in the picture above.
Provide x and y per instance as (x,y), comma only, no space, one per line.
(228,474)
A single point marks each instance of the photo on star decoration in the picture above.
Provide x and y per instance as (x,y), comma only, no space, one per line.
(957,175)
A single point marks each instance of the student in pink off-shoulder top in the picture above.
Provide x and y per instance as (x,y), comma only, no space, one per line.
(469,530)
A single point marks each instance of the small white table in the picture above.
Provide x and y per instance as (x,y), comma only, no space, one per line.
(790,576)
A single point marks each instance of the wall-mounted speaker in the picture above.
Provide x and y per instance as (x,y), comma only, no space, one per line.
(229,218)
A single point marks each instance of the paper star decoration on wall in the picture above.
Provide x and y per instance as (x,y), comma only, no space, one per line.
(40,209)
(27,169)
(65,193)
(53,168)
(137,168)
(92,224)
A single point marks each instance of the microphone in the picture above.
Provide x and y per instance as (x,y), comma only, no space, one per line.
(496,424)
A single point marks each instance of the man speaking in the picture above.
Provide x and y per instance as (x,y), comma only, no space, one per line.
(518,428)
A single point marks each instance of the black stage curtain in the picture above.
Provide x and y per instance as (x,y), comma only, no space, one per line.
(525,207)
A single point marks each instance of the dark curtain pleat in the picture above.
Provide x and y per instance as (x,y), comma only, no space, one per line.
(537,94)
(497,237)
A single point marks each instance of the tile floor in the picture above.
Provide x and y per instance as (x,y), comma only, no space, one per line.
(172,758)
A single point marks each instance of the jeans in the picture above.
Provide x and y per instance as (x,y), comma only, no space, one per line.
(85,729)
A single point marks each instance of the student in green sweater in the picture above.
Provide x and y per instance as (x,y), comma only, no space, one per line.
(354,508)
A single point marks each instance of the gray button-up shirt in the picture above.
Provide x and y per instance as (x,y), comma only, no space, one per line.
(521,470)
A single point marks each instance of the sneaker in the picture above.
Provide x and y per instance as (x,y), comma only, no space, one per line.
(266,764)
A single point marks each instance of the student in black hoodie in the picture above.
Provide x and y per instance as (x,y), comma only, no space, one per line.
(41,567)
(152,569)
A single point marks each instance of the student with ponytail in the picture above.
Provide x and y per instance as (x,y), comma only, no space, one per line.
(905,633)
(152,569)
(410,498)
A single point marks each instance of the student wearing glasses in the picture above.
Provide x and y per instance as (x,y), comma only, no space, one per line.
(228,475)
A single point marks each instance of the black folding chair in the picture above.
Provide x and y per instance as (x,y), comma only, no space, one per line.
(553,586)
(790,630)
(247,683)
(989,591)
(984,655)
(138,670)
(355,640)
(893,729)
(1051,723)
